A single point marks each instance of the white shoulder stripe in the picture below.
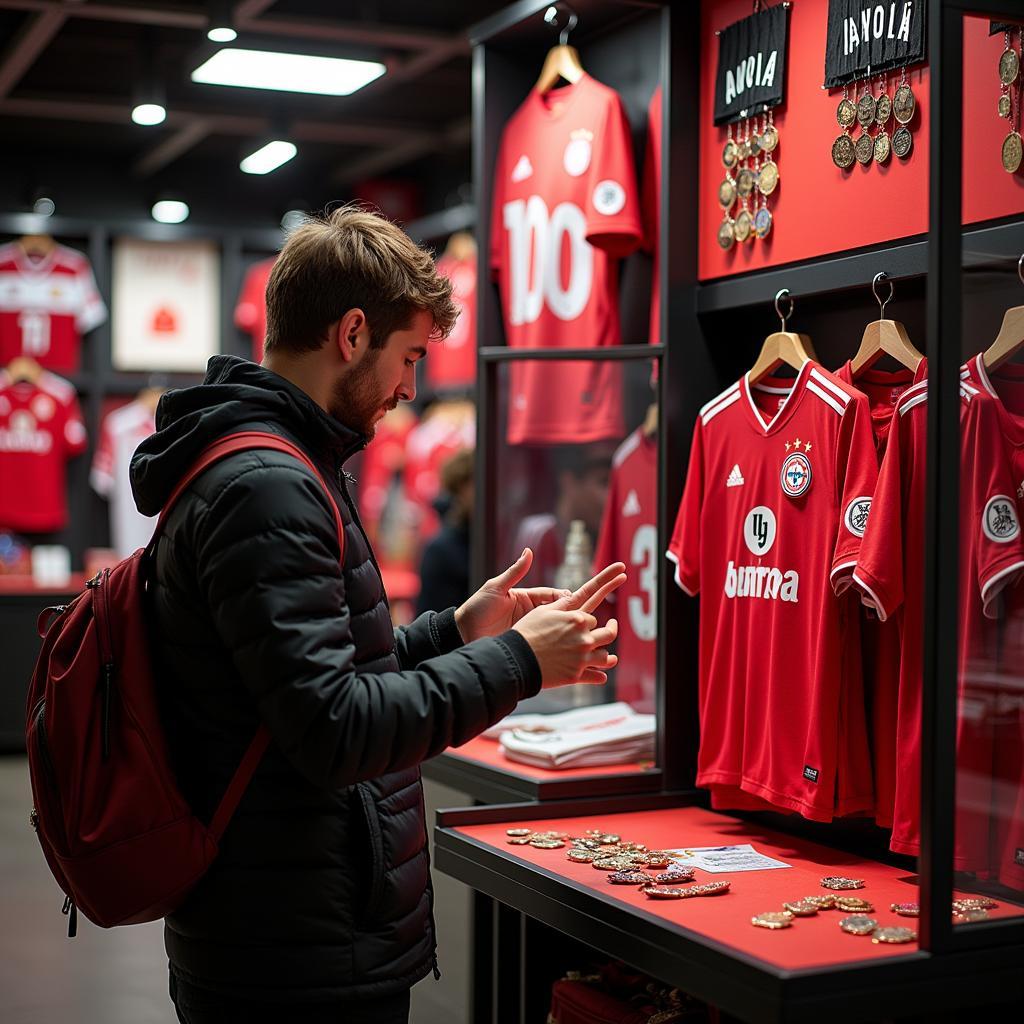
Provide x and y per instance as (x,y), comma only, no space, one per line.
(626,449)
(772,391)
(966,386)
(711,413)
(825,397)
(843,396)
(718,398)
(905,406)
(965,371)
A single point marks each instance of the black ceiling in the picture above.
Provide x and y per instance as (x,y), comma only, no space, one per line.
(70,71)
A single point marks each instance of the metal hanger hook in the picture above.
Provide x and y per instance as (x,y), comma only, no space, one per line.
(1020,268)
(551,17)
(783,293)
(883,276)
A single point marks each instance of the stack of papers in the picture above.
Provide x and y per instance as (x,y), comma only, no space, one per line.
(586,737)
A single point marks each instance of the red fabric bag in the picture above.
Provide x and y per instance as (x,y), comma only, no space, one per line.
(116,831)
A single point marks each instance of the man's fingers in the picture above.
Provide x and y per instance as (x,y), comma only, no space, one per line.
(515,572)
(536,596)
(594,677)
(593,602)
(606,634)
(600,658)
(584,597)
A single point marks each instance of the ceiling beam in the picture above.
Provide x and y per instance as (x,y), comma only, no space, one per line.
(454,135)
(29,41)
(350,133)
(247,17)
(172,146)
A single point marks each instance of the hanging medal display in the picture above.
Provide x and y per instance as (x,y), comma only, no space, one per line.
(750,83)
(865,43)
(1011,86)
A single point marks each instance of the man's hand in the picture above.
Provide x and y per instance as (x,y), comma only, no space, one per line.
(498,605)
(565,637)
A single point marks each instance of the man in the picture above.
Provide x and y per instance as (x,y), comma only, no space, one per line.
(318,907)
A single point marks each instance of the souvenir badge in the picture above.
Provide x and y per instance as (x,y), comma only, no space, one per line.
(628,878)
(801,908)
(727,193)
(866,108)
(902,142)
(1009,64)
(763,222)
(1004,107)
(904,103)
(768,178)
(518,832)
(1011,152)
(841,882)
(864,148)
(796,476)
(905,909)
(883,146)
(726,233)
(743,226)
(858,924)
(894,934)
(773,920)
(842,152)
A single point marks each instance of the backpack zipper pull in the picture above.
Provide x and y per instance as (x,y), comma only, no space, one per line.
(69,906)
(437,970)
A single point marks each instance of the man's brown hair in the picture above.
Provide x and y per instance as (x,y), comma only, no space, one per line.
(347,259)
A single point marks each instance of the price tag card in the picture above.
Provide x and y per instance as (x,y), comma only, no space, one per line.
(722,859)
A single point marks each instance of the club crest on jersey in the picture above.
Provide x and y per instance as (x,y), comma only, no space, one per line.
(576,158)
(1000,521)
(759,530)
(856,516)
(796,475)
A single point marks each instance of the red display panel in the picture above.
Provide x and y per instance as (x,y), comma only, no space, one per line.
(820,209)
(811,942)
(488,752)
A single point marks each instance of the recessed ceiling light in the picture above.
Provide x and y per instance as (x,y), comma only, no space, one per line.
(269,157)
(287,72)
(170,211)
(149,113)
(222,34)
(44,206)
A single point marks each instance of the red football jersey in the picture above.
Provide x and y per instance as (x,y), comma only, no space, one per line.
(890,572)
(629,533)
(652,206)
(999,689)
(40,429)
(251,308)
(46,305)
(451,363)
(880,641)
(565,210)
(777,494)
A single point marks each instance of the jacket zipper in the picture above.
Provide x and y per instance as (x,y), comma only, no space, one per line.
(342,478)
(107,670)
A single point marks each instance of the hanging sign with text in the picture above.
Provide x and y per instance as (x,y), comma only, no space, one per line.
(867,37)
(752,65)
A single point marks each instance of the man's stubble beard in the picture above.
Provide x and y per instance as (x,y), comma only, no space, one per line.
(356,399)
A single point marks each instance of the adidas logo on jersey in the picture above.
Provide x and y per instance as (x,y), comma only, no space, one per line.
(631,506)
(523,169)
(761,581)
(735,477)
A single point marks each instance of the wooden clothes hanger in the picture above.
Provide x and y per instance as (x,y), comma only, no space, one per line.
(461,247)
(1010,338)
(884,337)
(562,61)
(23,368)
(37,246)
(650,424)
(781,347)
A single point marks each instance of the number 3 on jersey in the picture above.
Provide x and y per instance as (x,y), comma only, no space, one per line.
(643,556)
(536,242)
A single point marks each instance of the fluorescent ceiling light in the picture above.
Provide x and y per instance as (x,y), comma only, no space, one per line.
(222,34)
(170,211)
(149,113)
(269,157)
(287,72)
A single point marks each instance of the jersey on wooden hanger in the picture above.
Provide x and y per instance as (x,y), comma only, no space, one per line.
(629,534)
(890,573)
(451,362)
(1006,386)
(40,429)
(880,641)
(122,431)
(46,305)
(251,308)
(777,494)
(565,211)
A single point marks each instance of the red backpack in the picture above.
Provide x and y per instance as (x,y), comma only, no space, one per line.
(116,832)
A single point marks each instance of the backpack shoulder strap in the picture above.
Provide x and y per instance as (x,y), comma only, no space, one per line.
(243,441)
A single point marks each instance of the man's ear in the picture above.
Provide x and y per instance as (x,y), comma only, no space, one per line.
(353,334)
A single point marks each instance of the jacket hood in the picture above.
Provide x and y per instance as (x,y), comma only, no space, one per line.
(235,393)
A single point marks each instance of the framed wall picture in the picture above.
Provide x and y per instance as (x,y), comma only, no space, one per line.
(166,305)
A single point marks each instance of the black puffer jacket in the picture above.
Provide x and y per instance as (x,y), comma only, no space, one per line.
(321,889)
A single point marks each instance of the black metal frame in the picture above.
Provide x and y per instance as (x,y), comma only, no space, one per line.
(735,982)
